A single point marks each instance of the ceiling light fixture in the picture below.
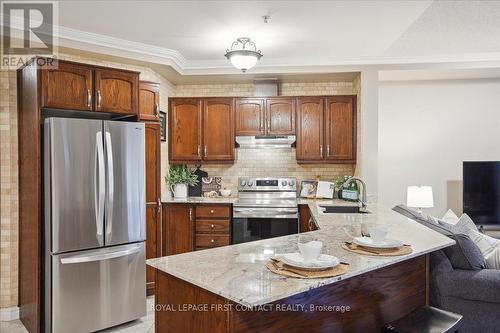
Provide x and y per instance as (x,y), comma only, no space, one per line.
(241,57)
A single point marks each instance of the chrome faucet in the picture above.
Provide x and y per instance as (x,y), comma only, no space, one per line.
(363,200)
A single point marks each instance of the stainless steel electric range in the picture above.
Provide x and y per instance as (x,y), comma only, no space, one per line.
(266,208)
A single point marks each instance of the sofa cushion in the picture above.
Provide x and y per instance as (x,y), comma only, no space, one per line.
(465,254)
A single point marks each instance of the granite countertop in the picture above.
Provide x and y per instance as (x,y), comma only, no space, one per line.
(238,272)
(217,200)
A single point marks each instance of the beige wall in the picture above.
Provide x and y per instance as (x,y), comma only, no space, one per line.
(249,162)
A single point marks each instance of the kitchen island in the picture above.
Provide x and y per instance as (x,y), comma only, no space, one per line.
(229,289)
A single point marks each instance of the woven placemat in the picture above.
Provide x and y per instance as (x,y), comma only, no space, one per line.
(405,249)
(282,269)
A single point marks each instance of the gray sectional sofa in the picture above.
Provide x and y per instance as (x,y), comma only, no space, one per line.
(459,282)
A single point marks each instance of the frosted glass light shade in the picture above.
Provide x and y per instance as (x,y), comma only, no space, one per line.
(420,197)
(243,61)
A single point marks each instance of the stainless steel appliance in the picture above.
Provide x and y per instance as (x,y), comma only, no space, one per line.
(266,208)
(94,229)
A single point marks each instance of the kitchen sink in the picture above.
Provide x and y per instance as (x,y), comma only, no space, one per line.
(342,209)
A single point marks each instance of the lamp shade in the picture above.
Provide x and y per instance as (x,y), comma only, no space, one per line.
(420,197)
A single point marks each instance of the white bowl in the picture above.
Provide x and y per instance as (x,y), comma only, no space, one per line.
(310,251)
(225,193)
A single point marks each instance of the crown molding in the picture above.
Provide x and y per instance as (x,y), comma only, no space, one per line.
(97,43)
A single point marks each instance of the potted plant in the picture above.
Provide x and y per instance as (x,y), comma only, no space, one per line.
(179,178)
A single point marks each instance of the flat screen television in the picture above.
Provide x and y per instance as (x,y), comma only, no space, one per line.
(481,192)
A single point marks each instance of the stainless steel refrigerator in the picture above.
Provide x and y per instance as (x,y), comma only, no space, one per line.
(94,229)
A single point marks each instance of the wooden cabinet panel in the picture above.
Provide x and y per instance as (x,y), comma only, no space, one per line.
(213,226)
(309,128)
(116,91)
(179,224)
(153,162)
(213,211)
(218,129)
(211,240)
(153,245)
(304,216)
(70,86)
(184,130)
(340,128)
(280,116)
(249,115)
(149,101)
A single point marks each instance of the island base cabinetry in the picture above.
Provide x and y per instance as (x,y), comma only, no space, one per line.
(362,303)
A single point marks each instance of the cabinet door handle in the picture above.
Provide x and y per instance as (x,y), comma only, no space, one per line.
(191,214)
(212,240)
(205,150)
(199,150)
(327,150)
(157,110)
(159,205)
(262,125)
(212,226)
(98,98)
(321,150)
(89,98)
(212,212)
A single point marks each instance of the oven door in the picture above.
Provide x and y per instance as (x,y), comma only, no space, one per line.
(255,223)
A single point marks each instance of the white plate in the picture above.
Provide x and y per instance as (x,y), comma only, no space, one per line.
(368,242)
(296,260)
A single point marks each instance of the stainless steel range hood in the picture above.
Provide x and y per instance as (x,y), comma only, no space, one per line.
(269,141)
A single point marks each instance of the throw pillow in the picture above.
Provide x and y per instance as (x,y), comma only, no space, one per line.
(450,217)
(493,258)
(489,246)
(465,254)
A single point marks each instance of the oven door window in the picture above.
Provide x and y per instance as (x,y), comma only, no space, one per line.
(248,229)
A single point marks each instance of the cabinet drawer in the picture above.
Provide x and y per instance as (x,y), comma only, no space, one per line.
(212,226)
(209,211)
(203,240)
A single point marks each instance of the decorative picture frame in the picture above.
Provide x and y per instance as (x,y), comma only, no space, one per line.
(163,126)
(308,188)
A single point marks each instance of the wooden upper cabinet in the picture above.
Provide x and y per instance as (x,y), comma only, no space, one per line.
(116,91)
(68,87)
(184,130)
(340,128)
(249,114)
(218,129)
(309,129)
(280,116)
(149,101)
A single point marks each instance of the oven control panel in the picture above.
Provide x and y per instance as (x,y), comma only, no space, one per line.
(267,184)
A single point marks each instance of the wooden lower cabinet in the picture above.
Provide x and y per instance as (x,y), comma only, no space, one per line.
(213,226)
(178,228)
(306,221)
(153,242)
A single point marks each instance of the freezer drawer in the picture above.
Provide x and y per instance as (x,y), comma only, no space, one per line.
(93,290)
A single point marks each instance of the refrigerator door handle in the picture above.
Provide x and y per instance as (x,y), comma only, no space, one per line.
(100,256)
(109,154)
(99,185)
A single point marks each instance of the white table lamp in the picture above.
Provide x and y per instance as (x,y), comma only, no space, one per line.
(420,197)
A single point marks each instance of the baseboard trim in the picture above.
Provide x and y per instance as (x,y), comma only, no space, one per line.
(9,314)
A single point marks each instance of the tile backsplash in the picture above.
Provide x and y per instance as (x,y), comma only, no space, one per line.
(273,162)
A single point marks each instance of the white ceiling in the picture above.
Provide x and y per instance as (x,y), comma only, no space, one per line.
(302,36)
